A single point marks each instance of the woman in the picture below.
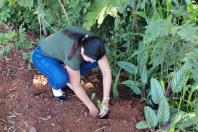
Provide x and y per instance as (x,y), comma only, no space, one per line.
(68,54)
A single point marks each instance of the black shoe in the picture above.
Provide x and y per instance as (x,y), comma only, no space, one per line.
(61,98)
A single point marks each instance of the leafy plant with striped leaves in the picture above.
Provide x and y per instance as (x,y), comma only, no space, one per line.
(156,91)
(153,119)
(133,85)
(163,112)
(179,79)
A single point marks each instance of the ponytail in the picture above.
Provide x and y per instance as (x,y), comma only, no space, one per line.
(77,37)
(93,45)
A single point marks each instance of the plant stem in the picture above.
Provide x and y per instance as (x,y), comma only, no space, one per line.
(189,98)
(182,98)
(168,90)
(115,86)
(67,18)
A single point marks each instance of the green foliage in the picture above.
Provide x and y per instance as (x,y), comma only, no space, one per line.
(189,32)
(127,66)
(179,80)
(163,113)
(134,86)
(150,116)
(115,85)
(7,37)
(99,104)
(191,60)
(22,41)
(26,3)
(167,46)
(93,95)
(142,59)
(183,121)
(2,2)
(27,56)
(157,29)
(196,107)
(141,125)
(156,91)
(5,50)
(100,9)
(4,15)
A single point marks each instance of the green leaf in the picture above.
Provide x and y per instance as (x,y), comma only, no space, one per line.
(158,54)
(5,50)
(143,74)
(127,66)
(189,32)
(187,120)
(93,95)
(188,2)
(2,2)
(164,28)
(134,86)
(163,114)
(141,125)
(179,80)
(151,117)
(25,3)
(156,91)
(178,118)
(115,85)
(142,59)
(100,9)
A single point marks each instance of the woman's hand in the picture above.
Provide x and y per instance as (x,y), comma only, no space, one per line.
(104,107)
(94,112)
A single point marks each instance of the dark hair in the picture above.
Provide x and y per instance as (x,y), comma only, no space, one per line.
(93,45)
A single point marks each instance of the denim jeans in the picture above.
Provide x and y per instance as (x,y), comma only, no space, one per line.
(54,70)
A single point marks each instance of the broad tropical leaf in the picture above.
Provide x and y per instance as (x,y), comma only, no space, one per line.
(163,114)
(151,117)
(175,119)
(188,119)
(134,86)
(141,125)
(127,66)
(179,80)
(99,10)
(156,91)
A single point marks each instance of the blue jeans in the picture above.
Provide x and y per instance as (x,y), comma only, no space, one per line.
(54,70)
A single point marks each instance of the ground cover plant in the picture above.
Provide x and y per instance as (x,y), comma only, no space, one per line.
(152,46)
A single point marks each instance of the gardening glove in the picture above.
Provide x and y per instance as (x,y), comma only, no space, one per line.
(104,109)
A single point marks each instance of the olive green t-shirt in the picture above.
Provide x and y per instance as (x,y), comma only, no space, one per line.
(58,46)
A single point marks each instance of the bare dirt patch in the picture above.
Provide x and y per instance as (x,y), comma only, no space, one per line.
(27,107)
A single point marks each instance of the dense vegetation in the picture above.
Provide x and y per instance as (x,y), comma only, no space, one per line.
(153,42)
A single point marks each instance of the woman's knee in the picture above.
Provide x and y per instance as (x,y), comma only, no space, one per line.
(58,81)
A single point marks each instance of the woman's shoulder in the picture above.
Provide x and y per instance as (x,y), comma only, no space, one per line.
(79,30)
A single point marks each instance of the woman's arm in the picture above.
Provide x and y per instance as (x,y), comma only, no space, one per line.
(74,77)
(107,80)
(107,77)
